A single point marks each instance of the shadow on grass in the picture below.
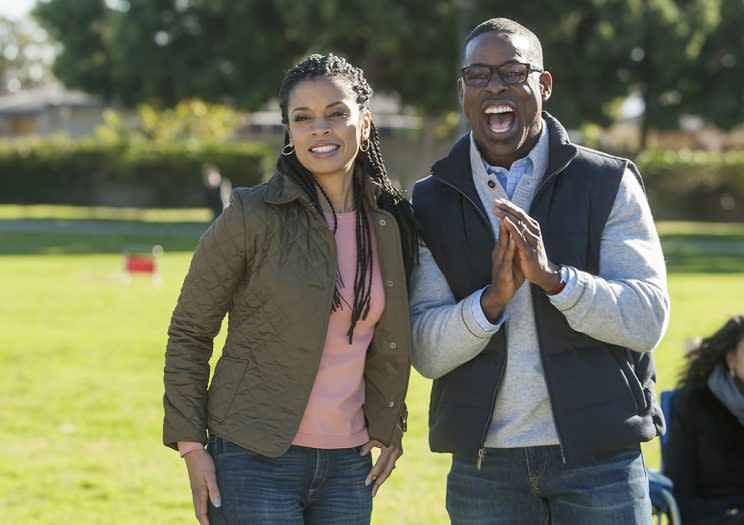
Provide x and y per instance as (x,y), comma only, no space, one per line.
(63,237)
(684,252)
(704,254)
(72,244)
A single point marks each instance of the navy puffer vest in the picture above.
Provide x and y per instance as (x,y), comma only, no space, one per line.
(602,395)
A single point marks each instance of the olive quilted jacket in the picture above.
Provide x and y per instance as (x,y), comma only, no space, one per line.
(269,262)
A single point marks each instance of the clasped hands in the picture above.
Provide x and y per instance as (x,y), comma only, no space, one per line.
(519,254)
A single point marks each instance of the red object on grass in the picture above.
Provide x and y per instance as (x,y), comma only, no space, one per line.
(140,263)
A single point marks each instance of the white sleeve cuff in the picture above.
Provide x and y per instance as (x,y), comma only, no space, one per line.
(480,317)
(570,285)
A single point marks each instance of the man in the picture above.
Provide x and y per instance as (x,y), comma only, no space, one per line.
(538,300)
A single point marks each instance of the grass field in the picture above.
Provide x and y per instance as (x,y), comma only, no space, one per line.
(81,359)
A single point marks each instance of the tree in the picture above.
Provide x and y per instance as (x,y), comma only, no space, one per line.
(161,51)
(165,50)
(24,56)
(79,28)
(672,36)
(715,83)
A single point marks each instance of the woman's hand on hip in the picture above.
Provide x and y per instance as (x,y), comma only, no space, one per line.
(385,463)
(203,478)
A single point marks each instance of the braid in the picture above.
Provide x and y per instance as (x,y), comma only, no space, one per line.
(391,198)
(364,260)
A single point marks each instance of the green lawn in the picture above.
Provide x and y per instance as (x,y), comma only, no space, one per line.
(82,354)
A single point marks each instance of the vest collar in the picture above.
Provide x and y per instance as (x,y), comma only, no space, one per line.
(561,150)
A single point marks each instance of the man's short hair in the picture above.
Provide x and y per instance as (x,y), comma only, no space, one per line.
(509,27)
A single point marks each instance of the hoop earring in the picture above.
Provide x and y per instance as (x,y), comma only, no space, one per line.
(287,153)
(362,148)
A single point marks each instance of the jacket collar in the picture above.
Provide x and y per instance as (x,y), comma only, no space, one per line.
(282,189)
(454,169)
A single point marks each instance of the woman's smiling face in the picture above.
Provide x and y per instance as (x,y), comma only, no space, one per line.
(326,125)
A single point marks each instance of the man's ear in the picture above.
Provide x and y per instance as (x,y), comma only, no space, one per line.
(546,85)
(459,90)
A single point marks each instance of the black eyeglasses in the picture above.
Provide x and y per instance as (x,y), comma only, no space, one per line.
(510,73)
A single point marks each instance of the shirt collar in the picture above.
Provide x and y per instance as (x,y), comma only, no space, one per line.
(537,157)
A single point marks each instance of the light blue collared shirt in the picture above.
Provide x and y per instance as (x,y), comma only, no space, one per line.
(533,165)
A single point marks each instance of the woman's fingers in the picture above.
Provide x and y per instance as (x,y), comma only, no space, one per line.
(369,445)
(390,458)
(214,491)
(385,462)
(200,504)
(203,479)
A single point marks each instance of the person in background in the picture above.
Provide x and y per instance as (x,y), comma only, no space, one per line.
(312,268)
(704,453)
(216,189)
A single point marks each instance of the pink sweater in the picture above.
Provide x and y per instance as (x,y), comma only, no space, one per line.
(334,417)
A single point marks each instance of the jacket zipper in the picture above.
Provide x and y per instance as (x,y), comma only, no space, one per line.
(481,454)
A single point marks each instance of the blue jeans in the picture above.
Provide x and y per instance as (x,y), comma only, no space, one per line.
(528,486)
(303,486)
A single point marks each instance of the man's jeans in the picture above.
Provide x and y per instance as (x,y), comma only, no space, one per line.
(305,485)
(525,486)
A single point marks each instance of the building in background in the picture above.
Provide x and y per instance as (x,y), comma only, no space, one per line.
(47,110)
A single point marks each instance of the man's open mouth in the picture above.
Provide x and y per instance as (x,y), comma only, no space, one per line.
(500,117)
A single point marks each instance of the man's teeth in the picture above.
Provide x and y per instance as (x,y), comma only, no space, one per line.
(499,109)
(324,149)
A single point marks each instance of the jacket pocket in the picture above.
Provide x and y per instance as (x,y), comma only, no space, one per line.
(437,387)
(634,385)
(228,374)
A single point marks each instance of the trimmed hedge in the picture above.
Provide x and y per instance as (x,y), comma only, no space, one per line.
(694,184)
(88,172)
(680,184)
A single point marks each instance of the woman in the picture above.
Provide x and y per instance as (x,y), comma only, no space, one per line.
(704,455)
(312,268)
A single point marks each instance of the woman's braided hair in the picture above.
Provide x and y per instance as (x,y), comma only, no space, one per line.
(712,350)
(368,164)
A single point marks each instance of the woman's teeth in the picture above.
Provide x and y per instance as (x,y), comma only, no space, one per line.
(324,149)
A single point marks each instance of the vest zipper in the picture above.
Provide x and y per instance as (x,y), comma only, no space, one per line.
(543,184)
(485,219)
(481,455)
(482,450)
